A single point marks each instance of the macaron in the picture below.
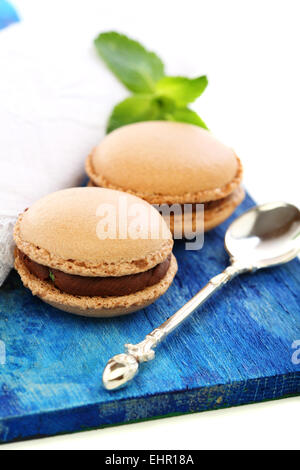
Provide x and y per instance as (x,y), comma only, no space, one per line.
(94,251)
(170,163)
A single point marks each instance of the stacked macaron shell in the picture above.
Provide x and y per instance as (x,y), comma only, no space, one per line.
(170,162)
(94,252)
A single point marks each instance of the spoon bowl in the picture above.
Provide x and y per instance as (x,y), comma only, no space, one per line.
(265,235)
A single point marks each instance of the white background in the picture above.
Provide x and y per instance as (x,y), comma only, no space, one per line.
(250,52)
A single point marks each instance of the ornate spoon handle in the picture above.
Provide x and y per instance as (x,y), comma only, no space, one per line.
(123,367)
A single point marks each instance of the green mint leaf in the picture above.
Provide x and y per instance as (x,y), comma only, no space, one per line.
(136,108)
(181,89)
(51,275)
(186,115)
(137,68)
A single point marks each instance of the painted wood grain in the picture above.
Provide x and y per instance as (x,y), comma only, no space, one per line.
(236,349)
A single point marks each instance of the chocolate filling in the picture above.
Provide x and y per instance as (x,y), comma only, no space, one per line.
(97,286)
(208,204)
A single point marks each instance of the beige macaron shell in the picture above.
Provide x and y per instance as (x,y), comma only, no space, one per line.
(95,306)
(164,158)
(212,217)
(61,230)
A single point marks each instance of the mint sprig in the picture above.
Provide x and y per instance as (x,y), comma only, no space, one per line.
(136,108)
(137,68)
(155,95)
(181,89)
(186,115)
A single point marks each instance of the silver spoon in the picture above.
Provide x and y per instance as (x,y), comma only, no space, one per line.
(263,236)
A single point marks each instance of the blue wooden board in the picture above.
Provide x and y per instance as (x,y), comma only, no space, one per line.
(236,349)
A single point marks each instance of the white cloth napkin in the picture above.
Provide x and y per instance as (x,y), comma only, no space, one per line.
(54,103)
